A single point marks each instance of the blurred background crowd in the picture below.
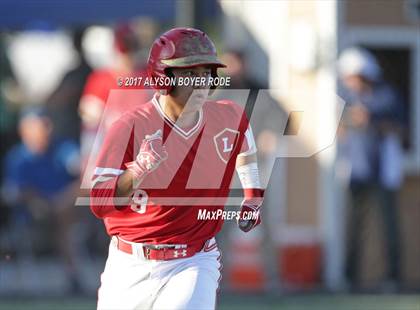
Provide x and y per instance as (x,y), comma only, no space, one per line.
(354,229)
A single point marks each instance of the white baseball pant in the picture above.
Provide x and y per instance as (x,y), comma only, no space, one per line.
(132,282)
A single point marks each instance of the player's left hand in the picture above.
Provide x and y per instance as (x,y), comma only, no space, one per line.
(250,214)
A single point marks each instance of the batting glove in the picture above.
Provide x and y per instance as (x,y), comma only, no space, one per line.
(152,154)
(250,216)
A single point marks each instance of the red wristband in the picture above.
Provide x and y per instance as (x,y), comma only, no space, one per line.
(252,193)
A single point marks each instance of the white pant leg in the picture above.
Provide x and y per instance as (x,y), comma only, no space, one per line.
(126,282)
(192,284)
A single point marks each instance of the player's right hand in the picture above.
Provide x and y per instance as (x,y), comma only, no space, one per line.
(152,154)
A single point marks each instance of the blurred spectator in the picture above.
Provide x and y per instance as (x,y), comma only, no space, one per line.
(39,184)
(100,82)
(10,98)
(63,103)
(370,143)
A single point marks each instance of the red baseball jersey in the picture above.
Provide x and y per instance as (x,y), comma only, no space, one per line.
(197,174)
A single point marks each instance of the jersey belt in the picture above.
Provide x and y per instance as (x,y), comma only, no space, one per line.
(160,252)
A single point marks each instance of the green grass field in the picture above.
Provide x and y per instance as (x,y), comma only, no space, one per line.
(296,302)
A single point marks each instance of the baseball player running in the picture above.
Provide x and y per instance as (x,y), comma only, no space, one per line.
(160,167)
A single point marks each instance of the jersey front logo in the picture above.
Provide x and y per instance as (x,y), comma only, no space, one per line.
(227,148)
(225,142)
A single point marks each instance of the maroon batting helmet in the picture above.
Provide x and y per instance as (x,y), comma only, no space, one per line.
(181,48)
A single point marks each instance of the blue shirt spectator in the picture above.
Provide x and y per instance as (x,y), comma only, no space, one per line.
(46,174)
(39,165)
(373,116)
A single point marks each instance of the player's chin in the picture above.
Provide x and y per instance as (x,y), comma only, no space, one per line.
(200,94)
(196,101)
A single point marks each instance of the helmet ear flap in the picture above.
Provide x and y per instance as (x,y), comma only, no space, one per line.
(167,91)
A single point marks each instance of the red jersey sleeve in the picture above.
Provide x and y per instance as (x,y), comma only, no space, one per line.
(116,150)
(248,146)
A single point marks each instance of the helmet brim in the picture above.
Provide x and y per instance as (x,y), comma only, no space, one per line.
(194,61)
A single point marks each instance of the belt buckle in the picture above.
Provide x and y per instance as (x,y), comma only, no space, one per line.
(146,252)
(168,251)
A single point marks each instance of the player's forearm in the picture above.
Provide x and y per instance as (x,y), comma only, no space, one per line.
(247,169)
(127,183)
(112,196)
(244,160)
(104,199)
